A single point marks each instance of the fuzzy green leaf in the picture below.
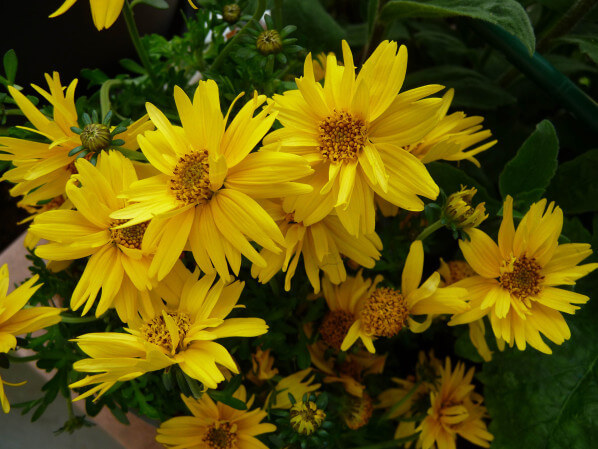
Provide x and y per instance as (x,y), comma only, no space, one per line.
(508,14)
(528,174)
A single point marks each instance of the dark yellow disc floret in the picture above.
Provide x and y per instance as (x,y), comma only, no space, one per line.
(220,435)
(460,270)
(384,313)
(523,278)
(269,42)
(342,137)
(190,183)
(131,236)
(335,326)
(157,332)
(96,137)
(306,417)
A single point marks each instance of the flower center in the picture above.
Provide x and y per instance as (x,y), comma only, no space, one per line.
(522,277)
(460,270)
(231,12)
(269,42)
(131,236)
(157,332)
(384,312)
(96,137)
(335,326)
(306,417)
(350,368)
(191,178)
(221,435)
(342,136)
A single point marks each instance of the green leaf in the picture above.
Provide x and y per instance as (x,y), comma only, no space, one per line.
(588,45)
(575,185)
(508,14)
(539,401)
(526,176)
(10,65)
(227,399)
(133,66)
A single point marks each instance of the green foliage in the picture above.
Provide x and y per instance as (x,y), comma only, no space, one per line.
(508,14)
(526,176)
(575,184)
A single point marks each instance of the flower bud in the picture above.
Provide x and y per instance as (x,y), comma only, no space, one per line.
(269,42)
(460,211)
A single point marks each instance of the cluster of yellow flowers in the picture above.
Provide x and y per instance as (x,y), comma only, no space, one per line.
(310,190)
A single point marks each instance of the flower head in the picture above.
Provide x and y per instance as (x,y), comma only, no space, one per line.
(262,366)
(306,417)
(215,425)
(516,281)
(203,196)
(181,331)
(104,13)
(460,211)
(353,130)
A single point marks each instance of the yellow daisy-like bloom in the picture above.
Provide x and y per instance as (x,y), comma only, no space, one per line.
(262,363)
(41,169)
(353,130)
(456,410)
(119,257)
(297,384)
(306,417)
(182,332)
(204,193)
(14,318)
(215,426)
(516,279)
(103,12)
(453,134)
(322,244)
(452,272)
(361,310)
(460,210)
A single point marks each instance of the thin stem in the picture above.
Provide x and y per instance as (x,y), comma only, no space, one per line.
(136,39)
(259,11)
(430,229)
(566,23)
(277,14)
(74,319)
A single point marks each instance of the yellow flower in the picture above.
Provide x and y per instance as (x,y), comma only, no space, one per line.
(262,366)
(452,272)
(456,410)
(460,211)
(306,417)
(182,332)
(204,193)
(14,318)
(119,258)
(361,310)
(215,426)
(453,135)
(353,130)
(43,169)
(357,411)
(516,280)
(296,384)
(322,244)
(103,12)
(3,399)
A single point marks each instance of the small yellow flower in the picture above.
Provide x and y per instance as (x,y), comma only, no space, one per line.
(182,331)
(296,384)
(361,310)
(453,134)
(215,425)
(104,12)
(306,417)
(516,281)
(262,367)
(353,130)
(461,213)
(456,410)
(322,244)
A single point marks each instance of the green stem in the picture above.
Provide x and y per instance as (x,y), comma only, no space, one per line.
(391,443)
(16,359)
(430,229)
(277,14)
(410,393)
(259,11)
(76,320)
(566,23)
(136,39)
(69,405)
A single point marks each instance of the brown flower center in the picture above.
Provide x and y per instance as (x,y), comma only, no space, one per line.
(460,270)
(190,183)
(221,435)
(335,326)
(522,278)
(131,236)
(157,332)
(384,313)
(342,137)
